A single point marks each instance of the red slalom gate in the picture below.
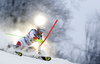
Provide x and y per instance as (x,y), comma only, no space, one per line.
(47,35)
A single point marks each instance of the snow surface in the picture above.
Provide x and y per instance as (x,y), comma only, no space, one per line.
(7,58)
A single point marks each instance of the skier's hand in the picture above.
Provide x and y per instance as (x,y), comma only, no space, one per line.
(31,47)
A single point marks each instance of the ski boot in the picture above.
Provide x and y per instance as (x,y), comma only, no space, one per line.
(8,46)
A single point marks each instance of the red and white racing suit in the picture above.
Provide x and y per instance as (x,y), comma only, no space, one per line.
(28,39)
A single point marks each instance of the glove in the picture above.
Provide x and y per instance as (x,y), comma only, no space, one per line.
(31,47)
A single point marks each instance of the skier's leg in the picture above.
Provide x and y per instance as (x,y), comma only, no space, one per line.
(20,43)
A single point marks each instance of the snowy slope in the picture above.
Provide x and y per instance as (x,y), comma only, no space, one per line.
(7,58)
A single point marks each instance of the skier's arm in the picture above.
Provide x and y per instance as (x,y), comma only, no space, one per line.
(32,35)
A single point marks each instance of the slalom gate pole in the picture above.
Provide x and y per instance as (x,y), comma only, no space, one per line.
(47,35)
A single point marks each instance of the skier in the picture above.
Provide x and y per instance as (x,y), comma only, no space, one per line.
(30,38)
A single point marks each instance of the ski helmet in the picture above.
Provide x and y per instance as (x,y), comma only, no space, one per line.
(41,28)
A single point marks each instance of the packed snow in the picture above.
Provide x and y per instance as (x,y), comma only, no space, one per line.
(8,58)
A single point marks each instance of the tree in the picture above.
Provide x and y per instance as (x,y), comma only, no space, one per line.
(25,11)
(93,39)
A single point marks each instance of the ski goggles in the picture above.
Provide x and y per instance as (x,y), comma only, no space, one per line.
(42,30)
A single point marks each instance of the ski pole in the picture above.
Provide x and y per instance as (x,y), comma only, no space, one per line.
(14,35)
(47,35)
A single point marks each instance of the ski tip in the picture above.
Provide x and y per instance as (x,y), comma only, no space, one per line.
(18,53)
(46,58)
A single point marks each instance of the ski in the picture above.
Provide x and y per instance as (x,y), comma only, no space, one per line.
(20,53)
(38,57)
(46,58)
